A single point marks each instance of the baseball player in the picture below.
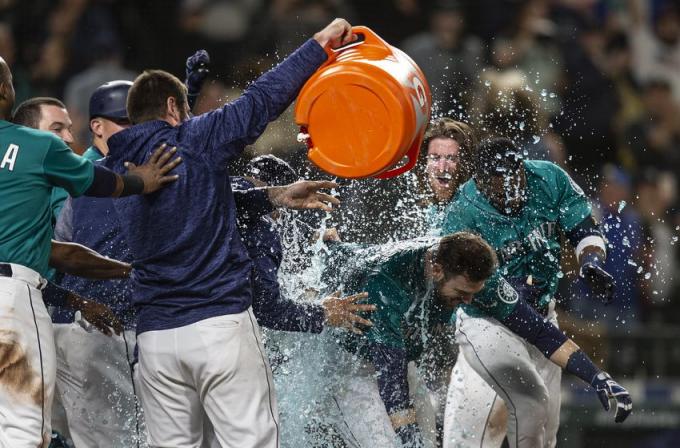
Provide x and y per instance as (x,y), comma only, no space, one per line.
(32,163)
(94,372)
(518,206)
(192,284)
(50,115)
(417,286)
(263,244)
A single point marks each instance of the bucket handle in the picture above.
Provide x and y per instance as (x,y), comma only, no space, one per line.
(364,35)
(412,155)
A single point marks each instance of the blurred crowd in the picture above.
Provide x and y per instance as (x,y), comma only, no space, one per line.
(591,85)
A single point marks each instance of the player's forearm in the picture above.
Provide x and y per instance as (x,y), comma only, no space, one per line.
(106,184)
(74,259)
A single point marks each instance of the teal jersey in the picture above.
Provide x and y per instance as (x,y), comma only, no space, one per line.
(407,314)
(32,163)
(92,154)
(527,245)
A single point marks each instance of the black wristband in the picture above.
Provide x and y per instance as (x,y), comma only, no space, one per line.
(132,184)
(580,365)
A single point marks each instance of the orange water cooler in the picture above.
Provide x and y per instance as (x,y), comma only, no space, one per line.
(365,110)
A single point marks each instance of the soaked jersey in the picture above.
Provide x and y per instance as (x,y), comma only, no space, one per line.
(407,313)
(32,163)
(527,245)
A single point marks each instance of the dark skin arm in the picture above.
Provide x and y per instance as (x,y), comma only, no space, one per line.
(74,259)
(99,315)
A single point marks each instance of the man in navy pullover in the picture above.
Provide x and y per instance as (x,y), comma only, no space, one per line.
(199,344)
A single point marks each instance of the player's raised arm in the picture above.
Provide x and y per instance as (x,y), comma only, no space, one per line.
(243,120)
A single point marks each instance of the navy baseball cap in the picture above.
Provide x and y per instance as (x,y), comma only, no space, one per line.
(109,100)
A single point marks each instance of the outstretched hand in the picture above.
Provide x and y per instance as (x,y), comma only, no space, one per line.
(341,311)
(154,172)
(303,194)
(607,389)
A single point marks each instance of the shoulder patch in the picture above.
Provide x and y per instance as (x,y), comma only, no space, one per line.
(506,292)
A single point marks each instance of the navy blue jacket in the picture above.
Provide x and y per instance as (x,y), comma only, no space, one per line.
(93,222)
(264,247)
(189,261)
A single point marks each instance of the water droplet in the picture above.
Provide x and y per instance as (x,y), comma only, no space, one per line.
(521,125)
(536,139)
(622,205)
(648,275)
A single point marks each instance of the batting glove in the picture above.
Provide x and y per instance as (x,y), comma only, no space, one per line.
(410,436)
(197,70)
(599,280)
(607,389)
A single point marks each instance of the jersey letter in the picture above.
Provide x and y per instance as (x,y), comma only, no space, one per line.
(10,157)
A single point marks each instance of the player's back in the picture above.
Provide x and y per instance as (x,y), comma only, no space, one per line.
(190,263)
(26,186)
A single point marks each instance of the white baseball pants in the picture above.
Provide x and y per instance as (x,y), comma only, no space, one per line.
(215,367)
(95,385)
(363,420)
(518,372)
(27,361)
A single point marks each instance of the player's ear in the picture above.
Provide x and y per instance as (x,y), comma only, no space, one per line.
(437,271)
(96,127)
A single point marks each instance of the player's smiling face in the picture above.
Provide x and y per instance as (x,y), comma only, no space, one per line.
(56,120)
(457,289)
(442,161)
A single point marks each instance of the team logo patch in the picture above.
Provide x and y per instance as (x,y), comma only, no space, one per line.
(506,292)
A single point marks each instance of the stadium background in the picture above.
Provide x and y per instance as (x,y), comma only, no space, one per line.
(599,80)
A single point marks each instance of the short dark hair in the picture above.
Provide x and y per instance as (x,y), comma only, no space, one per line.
(147,98)
(496,156)
(28,113)
(464,253)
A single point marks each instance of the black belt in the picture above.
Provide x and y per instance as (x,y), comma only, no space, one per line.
(5,270)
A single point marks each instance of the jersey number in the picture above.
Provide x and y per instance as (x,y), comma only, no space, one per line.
(10,157)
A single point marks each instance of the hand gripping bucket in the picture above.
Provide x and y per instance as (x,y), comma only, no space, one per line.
(364,110)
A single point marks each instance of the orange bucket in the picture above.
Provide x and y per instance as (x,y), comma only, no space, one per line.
(364,110)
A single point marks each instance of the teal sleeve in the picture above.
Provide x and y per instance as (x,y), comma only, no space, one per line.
(573,204)
(498,299)
(65,169)
(57,199)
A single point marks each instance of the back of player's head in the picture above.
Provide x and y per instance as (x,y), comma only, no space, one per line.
(497,156)
(29,112)
(271,170)
(464,253)
(147,98)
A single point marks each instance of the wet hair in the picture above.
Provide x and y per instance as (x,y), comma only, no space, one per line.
(496,156)
(464,253)
(147,98)
(271,170)
(29,112)
(458,131)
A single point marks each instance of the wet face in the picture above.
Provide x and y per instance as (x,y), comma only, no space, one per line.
(442,162)
(56,120)
(506,192)
(452,291)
